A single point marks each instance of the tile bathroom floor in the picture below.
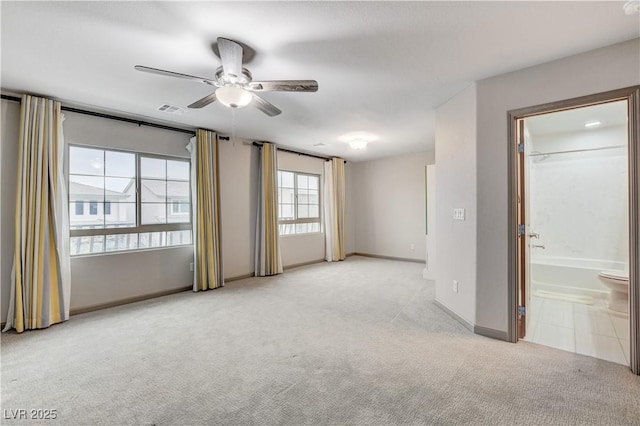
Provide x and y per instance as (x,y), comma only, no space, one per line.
(585,329)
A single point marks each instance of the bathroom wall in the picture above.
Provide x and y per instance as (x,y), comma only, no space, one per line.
(579,200)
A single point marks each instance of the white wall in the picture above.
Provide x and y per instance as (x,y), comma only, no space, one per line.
(592,72)
(456,188)
(388,199)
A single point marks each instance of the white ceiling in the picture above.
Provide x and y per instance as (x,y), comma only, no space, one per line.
(382,67)
(609,114)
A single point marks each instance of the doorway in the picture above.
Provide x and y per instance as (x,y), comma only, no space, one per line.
(574,237)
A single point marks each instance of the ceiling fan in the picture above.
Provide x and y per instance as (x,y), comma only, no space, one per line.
(234,85)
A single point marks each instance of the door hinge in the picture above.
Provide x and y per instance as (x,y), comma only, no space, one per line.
(521,148)
(521,230)
(521,311)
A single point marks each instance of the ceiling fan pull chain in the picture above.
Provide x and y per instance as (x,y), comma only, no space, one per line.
(233,126)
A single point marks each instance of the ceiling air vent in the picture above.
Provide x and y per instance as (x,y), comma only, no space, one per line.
(170,109)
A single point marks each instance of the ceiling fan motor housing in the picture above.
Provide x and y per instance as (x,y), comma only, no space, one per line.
(226,79)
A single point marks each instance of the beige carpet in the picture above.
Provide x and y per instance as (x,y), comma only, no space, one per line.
(356,342)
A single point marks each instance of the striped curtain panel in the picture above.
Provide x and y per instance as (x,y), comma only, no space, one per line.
(334,204)
(267,258)
(205,190)
(41,274)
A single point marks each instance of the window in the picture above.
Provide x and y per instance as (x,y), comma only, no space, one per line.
(136,201)
(298,202)
(179,208)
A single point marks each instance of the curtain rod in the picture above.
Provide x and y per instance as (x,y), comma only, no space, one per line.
(113,117)
(158,126)
(290,151)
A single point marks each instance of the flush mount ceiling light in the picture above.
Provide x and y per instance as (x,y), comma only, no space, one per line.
(358,140)
(592,124)
(358,144)
(233,96)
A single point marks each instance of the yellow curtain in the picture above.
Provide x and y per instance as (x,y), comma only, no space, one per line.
(206,207)
(267,258)
(334,208)
(40,290)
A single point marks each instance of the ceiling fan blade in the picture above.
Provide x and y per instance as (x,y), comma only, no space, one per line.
(284,86)
(231,56)
(204,101)
(265,106)
(174,74)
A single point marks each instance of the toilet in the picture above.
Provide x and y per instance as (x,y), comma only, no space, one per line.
(618,283)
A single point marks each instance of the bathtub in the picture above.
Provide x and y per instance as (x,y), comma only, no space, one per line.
(571,275)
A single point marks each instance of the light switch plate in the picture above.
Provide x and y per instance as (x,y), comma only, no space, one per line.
(458,214)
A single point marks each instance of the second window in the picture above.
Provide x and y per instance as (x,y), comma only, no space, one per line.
(298,202)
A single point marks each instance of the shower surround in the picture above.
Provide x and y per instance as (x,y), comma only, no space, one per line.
(579,207)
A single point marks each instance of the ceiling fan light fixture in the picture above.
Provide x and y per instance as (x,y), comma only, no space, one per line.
(233,96)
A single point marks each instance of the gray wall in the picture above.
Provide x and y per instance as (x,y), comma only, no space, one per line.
(456,188)
(105,278)
(112,277)
(350,217)
(238,198)
(388,202)
(592,72)
(9,124)
(304,248)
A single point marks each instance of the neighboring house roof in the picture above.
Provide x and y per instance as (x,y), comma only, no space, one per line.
(80,191)
(157,188)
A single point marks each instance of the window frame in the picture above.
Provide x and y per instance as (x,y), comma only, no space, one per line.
(298,220)
(139,228)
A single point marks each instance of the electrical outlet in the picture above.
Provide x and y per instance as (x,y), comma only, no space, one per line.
(455,286)
(412,246)
(191,266)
